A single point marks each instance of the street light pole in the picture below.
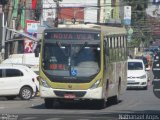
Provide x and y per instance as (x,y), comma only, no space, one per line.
(3,28)
(57,12)
(3,37)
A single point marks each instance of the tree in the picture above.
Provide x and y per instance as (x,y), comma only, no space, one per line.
(139,21)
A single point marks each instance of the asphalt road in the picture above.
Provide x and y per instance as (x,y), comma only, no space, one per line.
(134,103)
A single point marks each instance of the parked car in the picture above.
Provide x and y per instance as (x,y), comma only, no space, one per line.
(136,75)
(24,59)
(18,80)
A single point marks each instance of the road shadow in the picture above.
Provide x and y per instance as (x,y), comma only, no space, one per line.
(121,115)
(136,89)
(78,105)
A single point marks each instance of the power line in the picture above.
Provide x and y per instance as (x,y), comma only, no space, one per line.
(73,6)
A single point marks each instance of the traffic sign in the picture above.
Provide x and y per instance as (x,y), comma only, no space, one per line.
(129,33)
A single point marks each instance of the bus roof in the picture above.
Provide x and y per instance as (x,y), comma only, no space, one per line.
(106,30)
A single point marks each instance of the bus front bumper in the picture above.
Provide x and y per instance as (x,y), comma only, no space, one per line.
(96,93)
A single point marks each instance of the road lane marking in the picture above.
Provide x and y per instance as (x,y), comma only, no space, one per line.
(29,118)
(54,119)
(83,119)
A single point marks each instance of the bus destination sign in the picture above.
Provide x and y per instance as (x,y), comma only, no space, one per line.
(71,36)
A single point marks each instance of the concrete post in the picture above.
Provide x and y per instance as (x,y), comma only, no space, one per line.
(0,31)
(3,36)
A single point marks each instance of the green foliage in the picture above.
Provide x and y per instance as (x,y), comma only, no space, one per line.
(139,21)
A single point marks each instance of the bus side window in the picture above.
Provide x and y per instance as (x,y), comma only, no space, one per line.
(106,47)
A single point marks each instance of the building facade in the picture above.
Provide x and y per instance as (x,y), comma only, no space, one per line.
(81,10)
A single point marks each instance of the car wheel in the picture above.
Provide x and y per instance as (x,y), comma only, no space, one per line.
(26,93)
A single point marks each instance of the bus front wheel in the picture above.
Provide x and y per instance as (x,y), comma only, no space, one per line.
(48,103)
(101,104)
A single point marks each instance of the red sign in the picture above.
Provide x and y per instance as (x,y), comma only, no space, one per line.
(57,66)
(71,36)
(34,3)
(32,26)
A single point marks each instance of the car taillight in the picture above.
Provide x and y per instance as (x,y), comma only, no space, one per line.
(38,78)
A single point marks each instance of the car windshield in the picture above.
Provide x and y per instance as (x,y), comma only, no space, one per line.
(81,60)
(135,66)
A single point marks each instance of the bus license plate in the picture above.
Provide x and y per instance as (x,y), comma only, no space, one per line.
(69,96)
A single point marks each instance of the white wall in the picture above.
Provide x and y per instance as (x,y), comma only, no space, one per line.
(47,5)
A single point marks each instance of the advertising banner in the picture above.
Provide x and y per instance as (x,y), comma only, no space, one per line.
(28,46)
(127,15)
(31,29)
(32,26)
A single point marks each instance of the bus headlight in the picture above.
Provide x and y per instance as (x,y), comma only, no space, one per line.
(95,85)
(44,83)
(143,77)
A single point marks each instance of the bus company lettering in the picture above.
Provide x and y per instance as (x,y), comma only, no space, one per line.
(71,36)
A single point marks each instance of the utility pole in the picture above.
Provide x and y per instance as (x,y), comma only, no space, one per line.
(57,12)
(2,4)
(3,35)
(1,29)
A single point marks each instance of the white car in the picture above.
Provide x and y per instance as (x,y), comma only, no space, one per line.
(136,75)
(18,80)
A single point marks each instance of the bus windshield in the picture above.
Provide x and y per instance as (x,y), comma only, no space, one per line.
(71,59)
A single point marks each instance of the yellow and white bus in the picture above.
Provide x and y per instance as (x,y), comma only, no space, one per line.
(88,62)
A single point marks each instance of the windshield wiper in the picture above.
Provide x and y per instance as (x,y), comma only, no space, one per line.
(60,46)
(84,45)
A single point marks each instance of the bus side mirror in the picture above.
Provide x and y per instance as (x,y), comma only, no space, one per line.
(36,53)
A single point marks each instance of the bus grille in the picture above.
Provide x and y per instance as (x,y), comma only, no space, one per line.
(76,93)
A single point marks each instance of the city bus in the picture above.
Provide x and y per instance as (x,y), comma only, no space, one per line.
(83,62)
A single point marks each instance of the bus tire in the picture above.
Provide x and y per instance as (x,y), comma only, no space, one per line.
(114,99)
(101,104)
(48,103)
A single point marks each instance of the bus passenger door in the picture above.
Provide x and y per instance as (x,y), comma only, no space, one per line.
(106,67)
(1,82)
